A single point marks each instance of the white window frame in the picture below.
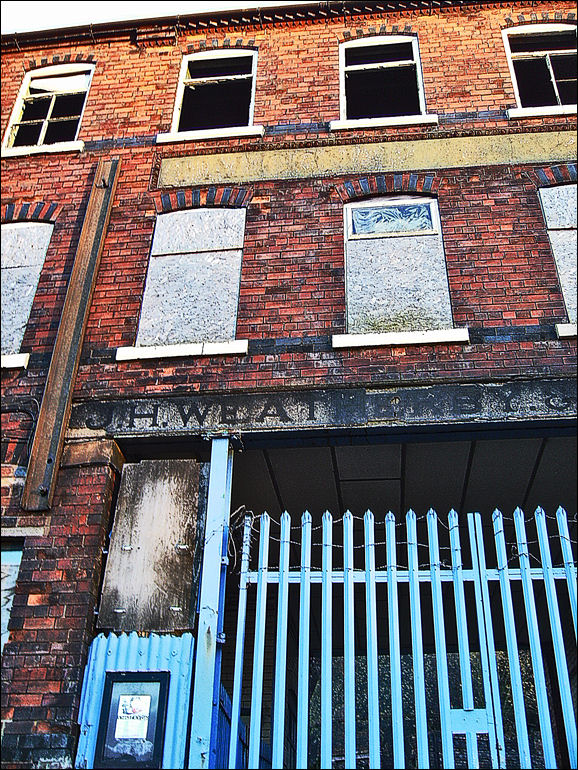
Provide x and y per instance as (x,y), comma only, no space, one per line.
(391,202)
(212,133)
(57,70)
(397,120)
(534,29)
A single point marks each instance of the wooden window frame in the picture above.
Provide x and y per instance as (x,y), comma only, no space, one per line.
(247,129)
(55,71)
(536,29)
(421,117)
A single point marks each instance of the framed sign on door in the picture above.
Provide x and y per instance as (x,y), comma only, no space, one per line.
(132,720)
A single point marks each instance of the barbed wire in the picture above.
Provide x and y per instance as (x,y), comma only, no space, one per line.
(238,517)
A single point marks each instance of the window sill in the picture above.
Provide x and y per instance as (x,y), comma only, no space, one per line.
(210,133)
(430,337)
(400,120)
(14,360)
(232,347)
(13,152)
(566,331)
(537,112)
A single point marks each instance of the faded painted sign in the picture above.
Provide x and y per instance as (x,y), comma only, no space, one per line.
(354,407)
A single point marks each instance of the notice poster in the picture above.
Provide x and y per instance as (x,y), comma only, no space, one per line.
(133,716)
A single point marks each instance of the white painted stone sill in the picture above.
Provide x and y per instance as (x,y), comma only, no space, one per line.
(538,112)
(13,152)
(210,133)
(430,337)
(398,120)
(232,347)
(566,331)
(14,360)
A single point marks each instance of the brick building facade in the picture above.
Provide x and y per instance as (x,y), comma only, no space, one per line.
(339,238)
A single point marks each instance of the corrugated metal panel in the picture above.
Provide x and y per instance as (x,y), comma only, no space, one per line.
(130,652)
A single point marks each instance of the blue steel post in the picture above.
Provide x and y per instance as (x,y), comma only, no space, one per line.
(371,621)
(417,642)
(440,641)
(462,630)
(348,641)
(219,653)
(534,639)
(512,643)
(239,646)
(281,662)
(487,646)
(569,565)
(326,644)
(394,645)
(218,509)
(259,645)
(303,663)
(557,638)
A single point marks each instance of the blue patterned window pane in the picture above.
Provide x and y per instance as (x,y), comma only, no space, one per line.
(392,219)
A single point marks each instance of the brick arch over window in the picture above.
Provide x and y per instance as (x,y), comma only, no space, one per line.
(68,58)
(384,184)
(561,173)
(221,196)
(354,34)
(30,211)
(213,45)
(533,18)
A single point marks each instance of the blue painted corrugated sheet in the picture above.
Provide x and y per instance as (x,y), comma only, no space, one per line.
(130,652)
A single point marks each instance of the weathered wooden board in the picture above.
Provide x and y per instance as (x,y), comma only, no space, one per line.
(149,571)
(56,401)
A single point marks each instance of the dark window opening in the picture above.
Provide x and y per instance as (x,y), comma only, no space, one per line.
(61,131)
(216,105)
(27,134)
(210,68)
(534,83)
(564,68)
(374,54)
(551,41)
(36,109)
(382,93)
(68,106)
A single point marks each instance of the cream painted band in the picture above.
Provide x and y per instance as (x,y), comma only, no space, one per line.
(379,157)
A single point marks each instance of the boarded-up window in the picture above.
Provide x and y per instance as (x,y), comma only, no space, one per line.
(24,247)
(559,206)
(192,285)
(11,557)
(148,581)
(396,276)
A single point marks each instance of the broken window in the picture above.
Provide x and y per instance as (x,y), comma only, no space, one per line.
(543,64)
(381,78)
(50,106)
(216,90)
(395,268)
(559,206)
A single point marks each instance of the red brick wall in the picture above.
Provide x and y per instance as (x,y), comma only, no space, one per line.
(52,618)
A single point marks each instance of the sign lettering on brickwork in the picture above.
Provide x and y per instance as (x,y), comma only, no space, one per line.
(355,407)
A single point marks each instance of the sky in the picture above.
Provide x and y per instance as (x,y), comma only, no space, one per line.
(26,16)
